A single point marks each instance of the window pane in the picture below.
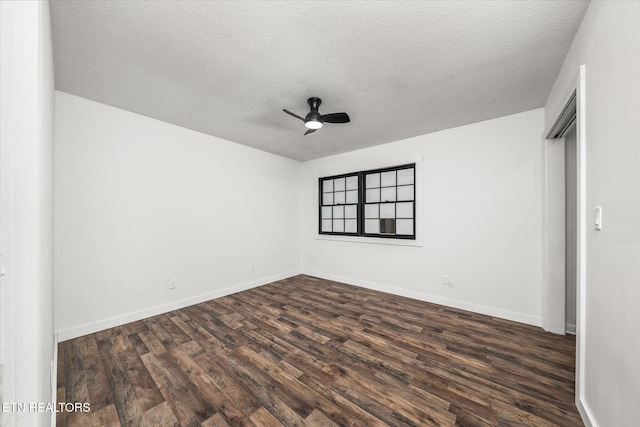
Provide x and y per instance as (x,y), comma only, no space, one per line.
(373,195)
(326,225)
(404,226)
(351,211)
(388,210)
(351,226)
(371,211)
(326,212)
(338,225)
(339,184)
(388,179)
(405,192)
(372,180)
(405,176)
(327,199)
(338,212)
(327,186)
(387,226)
(352,196)
(388,194)
(352,183)
(404,210)
(338,198)
(372,226)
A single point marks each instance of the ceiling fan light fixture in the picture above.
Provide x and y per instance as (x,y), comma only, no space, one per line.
(314,120)
(313,124)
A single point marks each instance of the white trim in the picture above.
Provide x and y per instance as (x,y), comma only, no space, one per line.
(372,240)
(435,299)
(383,241)
(581,258)
(89,328)
(586,414)
(54,378)
(578,84)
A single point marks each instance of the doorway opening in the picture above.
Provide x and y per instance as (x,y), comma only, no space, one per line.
(561,221)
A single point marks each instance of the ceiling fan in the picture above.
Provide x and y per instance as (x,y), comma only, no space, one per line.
(314,120)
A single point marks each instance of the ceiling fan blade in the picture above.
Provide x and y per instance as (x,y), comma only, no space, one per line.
(336,118)
(293,114)
(310,131)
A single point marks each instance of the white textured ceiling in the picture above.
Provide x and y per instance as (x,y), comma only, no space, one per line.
(399,69)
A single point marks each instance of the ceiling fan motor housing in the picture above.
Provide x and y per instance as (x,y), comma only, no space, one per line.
(314,103)
(314,115)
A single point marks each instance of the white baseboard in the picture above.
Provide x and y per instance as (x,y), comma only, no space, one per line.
(89,328)
(585,414)
(421,296)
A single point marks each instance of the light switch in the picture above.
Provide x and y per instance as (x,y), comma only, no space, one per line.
(598,218)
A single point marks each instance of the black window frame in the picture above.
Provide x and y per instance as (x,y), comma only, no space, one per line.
(321,205)
(361,202)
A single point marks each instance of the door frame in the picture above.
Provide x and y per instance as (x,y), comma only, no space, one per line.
(577,85)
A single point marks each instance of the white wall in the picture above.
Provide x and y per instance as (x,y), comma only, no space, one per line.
(26,206)
(482,219)
(139,201)
(608,44)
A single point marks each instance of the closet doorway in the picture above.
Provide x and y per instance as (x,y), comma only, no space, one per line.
(561,221)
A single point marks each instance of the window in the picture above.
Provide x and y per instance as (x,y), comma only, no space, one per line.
(339,200)
(374,203)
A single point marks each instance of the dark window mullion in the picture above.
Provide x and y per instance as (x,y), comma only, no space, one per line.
(396,187)
(414,203)
(361,201)
(320,202)
(395,211)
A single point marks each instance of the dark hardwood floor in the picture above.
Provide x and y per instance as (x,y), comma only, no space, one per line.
(307,351)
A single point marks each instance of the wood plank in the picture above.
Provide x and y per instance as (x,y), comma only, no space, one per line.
(216,421)
(75,384)
(126,405)
(138,344)
(98,386)
(297,388)
(262,417)
(254,382)
(61,396)
(198,403)
(215,396)
(119,341)
(160,415)
(181,410)
(106,417)
(232,387)
(317,418)
(145,389)
(385,402)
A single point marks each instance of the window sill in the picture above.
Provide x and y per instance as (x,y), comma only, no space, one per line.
(370,240)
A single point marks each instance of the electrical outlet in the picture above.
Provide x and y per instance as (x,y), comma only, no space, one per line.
(445,280)
(252,267)
(173,283)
